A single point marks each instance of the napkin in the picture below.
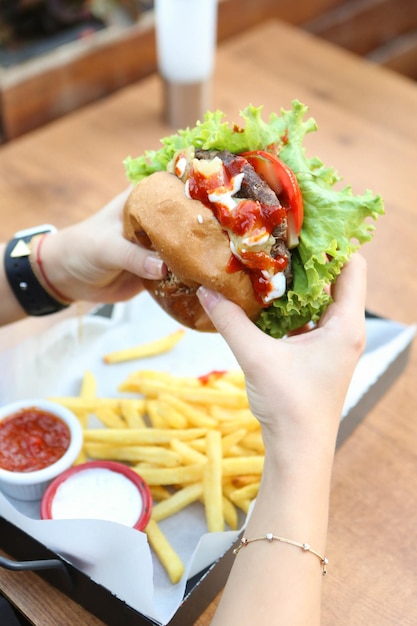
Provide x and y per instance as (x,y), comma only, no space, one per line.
(53,362)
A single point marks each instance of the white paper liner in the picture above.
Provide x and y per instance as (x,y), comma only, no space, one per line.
(53,363)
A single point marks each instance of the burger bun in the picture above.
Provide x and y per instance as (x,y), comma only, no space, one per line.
(189,239)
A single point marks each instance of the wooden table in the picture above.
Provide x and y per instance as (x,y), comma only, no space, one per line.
(368,131)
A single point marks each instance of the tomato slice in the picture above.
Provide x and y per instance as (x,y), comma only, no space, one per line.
(283,181)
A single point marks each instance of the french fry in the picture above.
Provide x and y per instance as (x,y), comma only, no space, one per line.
(156,419)
(171,475)
(159,346)
(230,513)
(198,393)
(225,385)
(88,387)
(133,413)
(81,458)
(238,450)
(244,504)
(229,427)
(196,416)
(157,455)
(213,497)
(110,417)
(178,501)
(230,440)
(198,444)
(242,481)
(171,415)
(236,378)
(88,390)
(248,492)
(222,414)
(159,493)
(242,465)
(209,396)
(165,552)
(79,405)
(156,382)
(141,436)
(189,456)
(145,465)
(192,439)
(253,441)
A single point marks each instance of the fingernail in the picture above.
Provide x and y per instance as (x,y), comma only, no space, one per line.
(208,298)
(154,267)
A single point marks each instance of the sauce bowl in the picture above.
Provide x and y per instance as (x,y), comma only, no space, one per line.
(20,481)
(102,490)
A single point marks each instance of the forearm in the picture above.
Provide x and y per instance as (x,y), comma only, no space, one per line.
(90,260)
(273,582)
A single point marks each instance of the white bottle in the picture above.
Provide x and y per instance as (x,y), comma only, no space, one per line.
(186,43)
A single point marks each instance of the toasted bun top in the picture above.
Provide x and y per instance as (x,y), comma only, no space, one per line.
(188,237)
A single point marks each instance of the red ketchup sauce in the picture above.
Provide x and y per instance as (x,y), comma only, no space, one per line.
(206,379)
(246,218)
(32,439)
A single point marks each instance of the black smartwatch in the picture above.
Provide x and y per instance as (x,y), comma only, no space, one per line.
(29,292)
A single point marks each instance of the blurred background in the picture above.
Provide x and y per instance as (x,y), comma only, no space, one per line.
(59,55)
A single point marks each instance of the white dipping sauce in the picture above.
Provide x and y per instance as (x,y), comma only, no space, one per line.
(98,493)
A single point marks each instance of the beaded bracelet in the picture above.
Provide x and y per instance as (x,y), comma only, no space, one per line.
(270,537)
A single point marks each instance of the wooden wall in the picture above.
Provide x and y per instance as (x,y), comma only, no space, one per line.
(384,31)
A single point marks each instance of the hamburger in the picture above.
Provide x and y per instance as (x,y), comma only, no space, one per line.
(242,210)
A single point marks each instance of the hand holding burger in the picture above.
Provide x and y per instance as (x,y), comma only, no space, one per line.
(241,210)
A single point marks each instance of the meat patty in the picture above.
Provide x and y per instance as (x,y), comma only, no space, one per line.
(253,187)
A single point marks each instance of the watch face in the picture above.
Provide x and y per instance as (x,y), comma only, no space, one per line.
(36,230)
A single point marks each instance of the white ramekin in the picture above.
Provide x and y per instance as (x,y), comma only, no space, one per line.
(91,495)
(32,485)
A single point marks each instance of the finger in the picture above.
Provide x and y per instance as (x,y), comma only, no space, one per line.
(138,260)
(120,199)
(232,323)
(351,284)
(349,293)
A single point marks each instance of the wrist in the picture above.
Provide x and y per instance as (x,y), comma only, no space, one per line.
(299,473)
(44,269)
(292,454)
(293,499)
(302,438)
(25,277)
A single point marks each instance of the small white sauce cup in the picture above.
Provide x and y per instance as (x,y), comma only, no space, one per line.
(87,491)
(32,485)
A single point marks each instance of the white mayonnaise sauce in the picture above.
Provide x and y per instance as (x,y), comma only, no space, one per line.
(187,189)
(278,284)
(255,240)
(180,166)
(98,493)
(257,237)
(224,195)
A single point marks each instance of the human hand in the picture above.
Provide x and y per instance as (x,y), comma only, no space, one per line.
(91,260)
(297,385)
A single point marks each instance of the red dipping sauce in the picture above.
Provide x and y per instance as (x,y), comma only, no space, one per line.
(32,439)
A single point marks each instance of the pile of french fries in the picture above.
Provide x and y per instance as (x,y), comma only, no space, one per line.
(192,439)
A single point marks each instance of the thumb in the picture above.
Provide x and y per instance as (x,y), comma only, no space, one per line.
(231,322)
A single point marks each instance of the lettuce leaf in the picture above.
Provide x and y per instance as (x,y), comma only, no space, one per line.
(336,222)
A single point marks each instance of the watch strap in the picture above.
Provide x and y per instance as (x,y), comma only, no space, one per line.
(29,292)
